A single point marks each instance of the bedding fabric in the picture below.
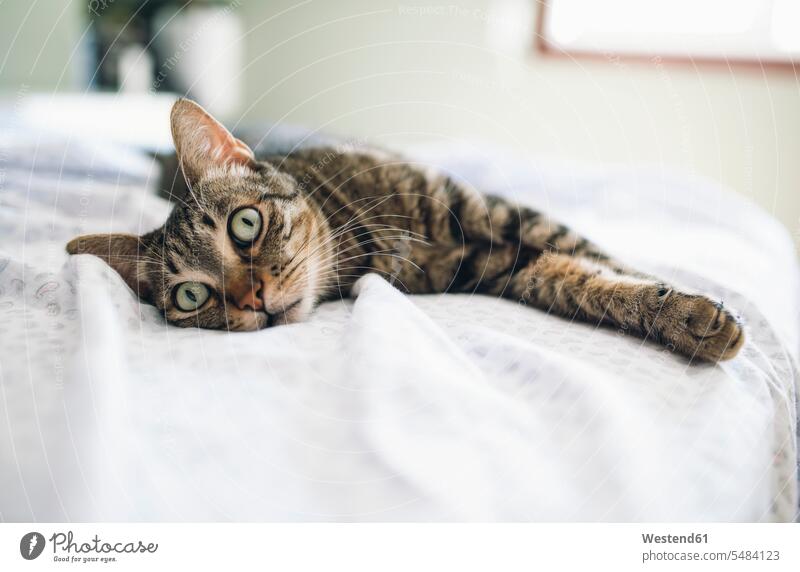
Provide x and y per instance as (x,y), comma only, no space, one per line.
(389,407)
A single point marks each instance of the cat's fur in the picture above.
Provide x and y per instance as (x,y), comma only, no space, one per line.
(331,216)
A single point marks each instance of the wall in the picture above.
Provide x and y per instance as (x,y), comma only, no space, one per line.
(394,70)
(38,44)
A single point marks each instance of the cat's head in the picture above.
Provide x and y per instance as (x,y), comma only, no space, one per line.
(244,250)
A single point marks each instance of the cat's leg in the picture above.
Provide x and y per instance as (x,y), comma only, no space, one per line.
(576,287)
(584,289)
(527,256)
(472,216)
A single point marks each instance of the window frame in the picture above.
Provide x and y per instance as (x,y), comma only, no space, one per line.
(548,49)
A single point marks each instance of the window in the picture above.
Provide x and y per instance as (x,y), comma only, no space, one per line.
(755,31)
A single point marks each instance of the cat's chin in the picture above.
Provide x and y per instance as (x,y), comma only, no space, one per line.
(297,311)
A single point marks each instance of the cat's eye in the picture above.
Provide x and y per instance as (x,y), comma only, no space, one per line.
(189,296)
(244,226)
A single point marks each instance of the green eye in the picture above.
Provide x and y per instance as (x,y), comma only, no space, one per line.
(189,296)
(245,225)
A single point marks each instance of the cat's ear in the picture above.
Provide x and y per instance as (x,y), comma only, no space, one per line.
(202,142)
(123,252)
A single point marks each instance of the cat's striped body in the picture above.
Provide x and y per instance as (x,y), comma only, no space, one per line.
(427,233)
(257,243)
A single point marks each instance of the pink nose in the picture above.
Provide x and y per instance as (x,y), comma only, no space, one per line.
(251,300)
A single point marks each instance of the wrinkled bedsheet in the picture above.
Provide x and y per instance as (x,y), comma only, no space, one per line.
(390,407)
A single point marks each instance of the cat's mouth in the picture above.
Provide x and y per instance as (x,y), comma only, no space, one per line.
(282,316)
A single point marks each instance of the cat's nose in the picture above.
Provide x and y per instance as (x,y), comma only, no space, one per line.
(250,300)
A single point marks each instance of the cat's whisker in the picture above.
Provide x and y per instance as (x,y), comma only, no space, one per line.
(392,277)
(379,200)
(333,261)
(290,269)
(408,235)
(334,271)
(356,222)
(342,231)
(337,253)
(376,239)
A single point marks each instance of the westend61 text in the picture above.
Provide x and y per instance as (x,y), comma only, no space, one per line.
(695,538)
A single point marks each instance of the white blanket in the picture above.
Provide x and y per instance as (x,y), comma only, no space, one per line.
(389,407)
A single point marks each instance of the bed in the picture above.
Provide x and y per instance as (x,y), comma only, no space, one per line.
(390,407)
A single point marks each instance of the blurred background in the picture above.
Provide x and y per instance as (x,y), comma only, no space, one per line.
(705,87)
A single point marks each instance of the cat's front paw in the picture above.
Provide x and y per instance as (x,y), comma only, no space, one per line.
(716,333)
(695,326)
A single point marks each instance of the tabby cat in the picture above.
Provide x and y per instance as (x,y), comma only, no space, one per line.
(258,243)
